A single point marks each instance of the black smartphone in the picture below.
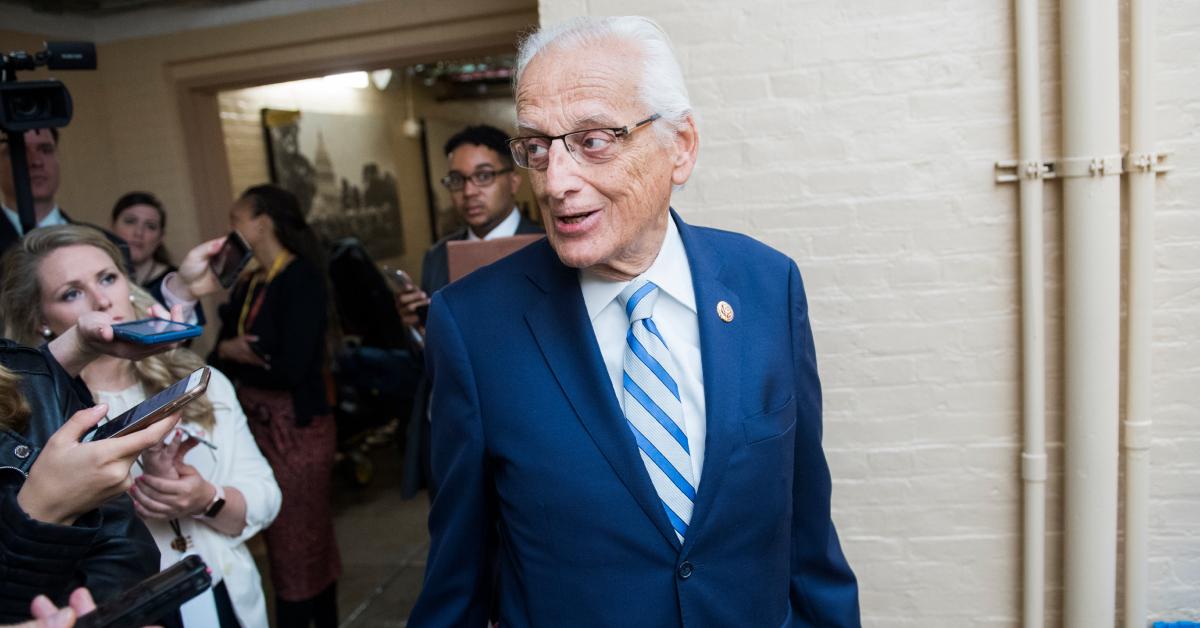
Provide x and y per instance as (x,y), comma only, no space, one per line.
(231,259)
(151,599)
(149,331)
(154,409)
(405,283)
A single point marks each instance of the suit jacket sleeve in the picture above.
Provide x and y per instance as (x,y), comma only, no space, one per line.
(457,590)
(824,591)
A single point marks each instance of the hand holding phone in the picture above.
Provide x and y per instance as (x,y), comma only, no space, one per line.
(45,613)
(152,598)
(92,335)
(154,409)
(244,349)
(411,302)
(70,478)
(228,263)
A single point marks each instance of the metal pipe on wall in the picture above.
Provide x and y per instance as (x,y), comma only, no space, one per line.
(1033,341)
(1142,161)
(1092,267)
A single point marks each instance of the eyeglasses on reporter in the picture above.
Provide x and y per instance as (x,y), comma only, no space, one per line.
(586,146)
(455,182)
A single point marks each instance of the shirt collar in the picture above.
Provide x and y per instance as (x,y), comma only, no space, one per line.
(506,228)
(55,217)
(670,272)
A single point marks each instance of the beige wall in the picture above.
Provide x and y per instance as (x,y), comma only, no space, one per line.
(859,138)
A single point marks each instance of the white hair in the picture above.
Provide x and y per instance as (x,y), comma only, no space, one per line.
(661,88)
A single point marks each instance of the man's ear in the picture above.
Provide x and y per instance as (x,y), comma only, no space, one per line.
(687,148)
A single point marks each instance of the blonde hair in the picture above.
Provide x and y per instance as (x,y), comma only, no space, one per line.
(14,411)
(21,298)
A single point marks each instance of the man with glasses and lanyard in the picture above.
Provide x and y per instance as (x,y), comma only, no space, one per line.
(626,416)
(482,182)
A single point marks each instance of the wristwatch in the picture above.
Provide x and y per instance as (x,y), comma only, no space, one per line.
(215,506)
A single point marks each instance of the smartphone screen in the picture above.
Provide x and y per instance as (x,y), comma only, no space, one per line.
(153,409)
(231,259)
(154,330)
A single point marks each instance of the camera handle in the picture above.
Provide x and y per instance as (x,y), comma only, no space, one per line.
(20,175)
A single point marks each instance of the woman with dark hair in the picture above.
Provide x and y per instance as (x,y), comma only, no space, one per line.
(140,220)
(272,344)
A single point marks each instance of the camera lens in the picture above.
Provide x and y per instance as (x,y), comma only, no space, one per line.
(26,107)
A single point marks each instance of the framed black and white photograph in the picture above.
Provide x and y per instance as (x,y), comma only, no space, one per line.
(342,169)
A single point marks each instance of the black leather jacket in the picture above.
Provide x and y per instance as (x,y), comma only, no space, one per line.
(107,550)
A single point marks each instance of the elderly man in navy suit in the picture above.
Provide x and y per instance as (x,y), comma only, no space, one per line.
(626,415)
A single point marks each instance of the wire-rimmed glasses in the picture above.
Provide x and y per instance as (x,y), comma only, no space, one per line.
(587,146)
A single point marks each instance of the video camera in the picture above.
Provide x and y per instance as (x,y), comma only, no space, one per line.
(36,105)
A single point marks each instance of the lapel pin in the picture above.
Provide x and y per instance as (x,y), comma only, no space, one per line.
(725,311)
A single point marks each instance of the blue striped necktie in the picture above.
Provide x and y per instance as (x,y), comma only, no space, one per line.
(653,406)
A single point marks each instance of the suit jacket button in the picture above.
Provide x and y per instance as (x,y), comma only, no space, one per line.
(685,570)
(21,451)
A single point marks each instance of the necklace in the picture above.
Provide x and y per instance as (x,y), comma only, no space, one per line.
(180,543)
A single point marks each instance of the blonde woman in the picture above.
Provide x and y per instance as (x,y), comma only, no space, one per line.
(204,500)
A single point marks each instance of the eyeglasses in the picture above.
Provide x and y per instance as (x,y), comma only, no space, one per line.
(481,178)
(591,146)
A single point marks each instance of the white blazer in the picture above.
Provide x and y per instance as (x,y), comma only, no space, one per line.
(237,462)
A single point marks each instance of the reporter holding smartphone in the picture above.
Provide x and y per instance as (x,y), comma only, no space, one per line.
(272,343)
(64,518)
(206,501)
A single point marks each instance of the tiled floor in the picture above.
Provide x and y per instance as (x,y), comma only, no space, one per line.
(383,540)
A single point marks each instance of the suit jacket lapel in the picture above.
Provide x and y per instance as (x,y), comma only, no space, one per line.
(721,352)
(559,322)
(528,226)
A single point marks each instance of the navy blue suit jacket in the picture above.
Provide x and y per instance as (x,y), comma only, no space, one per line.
(541,479)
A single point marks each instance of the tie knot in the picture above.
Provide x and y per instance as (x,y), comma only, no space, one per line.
(638,299)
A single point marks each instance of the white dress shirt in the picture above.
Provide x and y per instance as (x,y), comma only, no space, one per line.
(506,229)
(236,462)
(675,315)
(55,217)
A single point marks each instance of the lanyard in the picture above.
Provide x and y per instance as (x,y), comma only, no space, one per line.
(250,304)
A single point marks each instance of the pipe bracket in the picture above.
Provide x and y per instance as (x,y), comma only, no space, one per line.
(1014,170)
(1033,467)
(1137,435)
(1147,162)
(1107,166)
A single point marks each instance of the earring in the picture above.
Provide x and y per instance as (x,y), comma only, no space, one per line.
(46,333)
(132,299)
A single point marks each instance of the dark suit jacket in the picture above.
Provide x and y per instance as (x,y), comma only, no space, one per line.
(9,237)
(435,274)
(435,267)
(548,484)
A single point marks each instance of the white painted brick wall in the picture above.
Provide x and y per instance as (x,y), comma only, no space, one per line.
(859,138)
